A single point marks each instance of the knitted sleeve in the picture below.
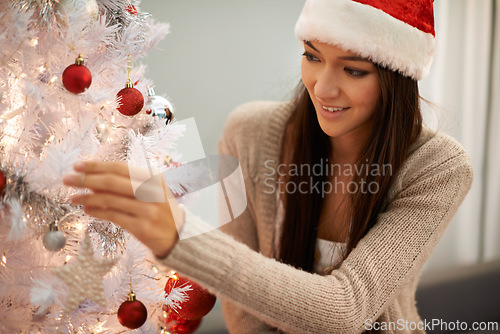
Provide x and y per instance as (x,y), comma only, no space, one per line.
(242,229)
(430,190)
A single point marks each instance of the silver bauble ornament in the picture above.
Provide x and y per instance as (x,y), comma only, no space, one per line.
(88,8)
(103,131)
(54,240)
(159,106)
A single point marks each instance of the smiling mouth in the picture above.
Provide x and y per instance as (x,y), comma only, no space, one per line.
(333,109)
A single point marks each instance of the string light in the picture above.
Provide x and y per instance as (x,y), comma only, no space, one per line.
(79,225)
(42,68)
(173,275)
(101,126)
(99,328)
(4,259)
(68,257)
(34,41)
(54,78)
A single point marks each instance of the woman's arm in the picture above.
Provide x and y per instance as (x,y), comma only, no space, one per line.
(112,198)
(296,301)
(425,196)
(242,229)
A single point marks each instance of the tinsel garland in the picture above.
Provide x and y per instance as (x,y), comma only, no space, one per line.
(46,14)
(47,209)
(43,130)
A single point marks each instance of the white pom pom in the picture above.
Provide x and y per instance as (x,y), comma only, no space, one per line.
(43,294)
(54,240)
(17,224)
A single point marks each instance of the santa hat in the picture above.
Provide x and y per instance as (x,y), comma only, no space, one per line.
(397,34)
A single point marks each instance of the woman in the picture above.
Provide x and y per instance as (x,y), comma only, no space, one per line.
(339,251)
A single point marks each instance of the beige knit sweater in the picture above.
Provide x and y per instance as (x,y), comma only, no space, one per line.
(378,279)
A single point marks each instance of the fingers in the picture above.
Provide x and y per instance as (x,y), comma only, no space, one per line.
(113,199)
(110,183)
(105,201)
(95,167)
(117,217)
(159,239)
(112,176)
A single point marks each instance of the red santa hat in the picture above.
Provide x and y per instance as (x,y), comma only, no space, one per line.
(397,34)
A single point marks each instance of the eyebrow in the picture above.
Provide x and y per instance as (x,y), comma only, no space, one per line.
(351,58)
(355,58)
(308,43)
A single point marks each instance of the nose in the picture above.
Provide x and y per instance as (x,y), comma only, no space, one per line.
(327,86)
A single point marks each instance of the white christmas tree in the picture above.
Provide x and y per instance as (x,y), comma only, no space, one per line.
(61,270)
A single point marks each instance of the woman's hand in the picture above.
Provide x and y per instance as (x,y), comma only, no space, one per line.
(113,199)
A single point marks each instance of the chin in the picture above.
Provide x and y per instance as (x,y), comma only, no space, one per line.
(331,129)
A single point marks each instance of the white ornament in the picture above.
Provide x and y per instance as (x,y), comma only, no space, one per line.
(18,227)
(88,8)
(159,106)
(84,277)
(103,131)
(44,294)
(54,240)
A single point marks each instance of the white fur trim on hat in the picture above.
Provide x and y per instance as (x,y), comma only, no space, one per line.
(369,32)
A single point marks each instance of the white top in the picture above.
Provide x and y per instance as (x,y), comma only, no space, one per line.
(328,253)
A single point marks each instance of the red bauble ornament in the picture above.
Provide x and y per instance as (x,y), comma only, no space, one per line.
(132,313)
(77,78)
(131,102)
(131,9)
(3,181)
(178,325)
(198,303)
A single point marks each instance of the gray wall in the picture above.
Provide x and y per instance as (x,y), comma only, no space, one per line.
(220,54)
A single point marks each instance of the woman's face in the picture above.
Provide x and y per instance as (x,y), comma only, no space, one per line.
(344,88)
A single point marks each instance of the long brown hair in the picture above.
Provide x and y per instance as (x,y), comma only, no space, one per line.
(397,124)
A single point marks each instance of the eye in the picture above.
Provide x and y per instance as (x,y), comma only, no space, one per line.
(310,57)
(355,73)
